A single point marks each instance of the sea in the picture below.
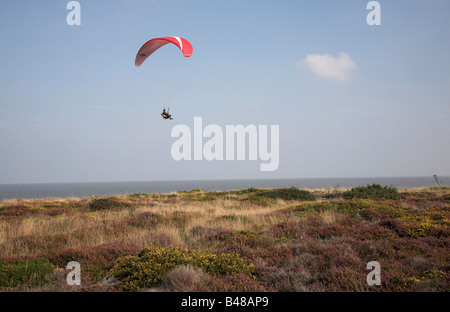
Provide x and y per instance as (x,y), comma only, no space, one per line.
(87,189)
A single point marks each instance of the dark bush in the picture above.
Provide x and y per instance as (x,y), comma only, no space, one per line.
(106,203)
(372,191)
(292,193)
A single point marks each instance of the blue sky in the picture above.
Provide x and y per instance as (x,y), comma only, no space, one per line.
(74,108)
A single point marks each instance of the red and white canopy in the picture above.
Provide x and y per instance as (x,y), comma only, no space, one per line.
(154,44)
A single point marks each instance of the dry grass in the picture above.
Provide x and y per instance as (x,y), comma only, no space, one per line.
(39,233)
(438,190)
(178,213)
(184,278)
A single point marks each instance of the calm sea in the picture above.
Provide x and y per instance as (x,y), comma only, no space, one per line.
(45,190)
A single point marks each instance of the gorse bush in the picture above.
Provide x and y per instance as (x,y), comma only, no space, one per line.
(30,272)
(429,222)
(403,221)
(372,191)
(148,269)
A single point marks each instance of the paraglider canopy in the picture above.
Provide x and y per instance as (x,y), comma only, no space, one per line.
(154,44)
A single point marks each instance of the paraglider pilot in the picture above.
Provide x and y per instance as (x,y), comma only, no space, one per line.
(166,115)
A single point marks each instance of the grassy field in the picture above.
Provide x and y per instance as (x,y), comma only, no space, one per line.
(244,240)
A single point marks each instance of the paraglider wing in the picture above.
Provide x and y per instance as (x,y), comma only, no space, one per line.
(154,44)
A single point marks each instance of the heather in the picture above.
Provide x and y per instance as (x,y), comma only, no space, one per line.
(243,240)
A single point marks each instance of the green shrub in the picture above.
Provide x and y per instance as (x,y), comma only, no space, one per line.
(372,191)
(246,191)
(148,269)
(106,203)
(30,272)
(292,193)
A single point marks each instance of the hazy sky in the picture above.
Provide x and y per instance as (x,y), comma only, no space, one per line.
(350,100)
